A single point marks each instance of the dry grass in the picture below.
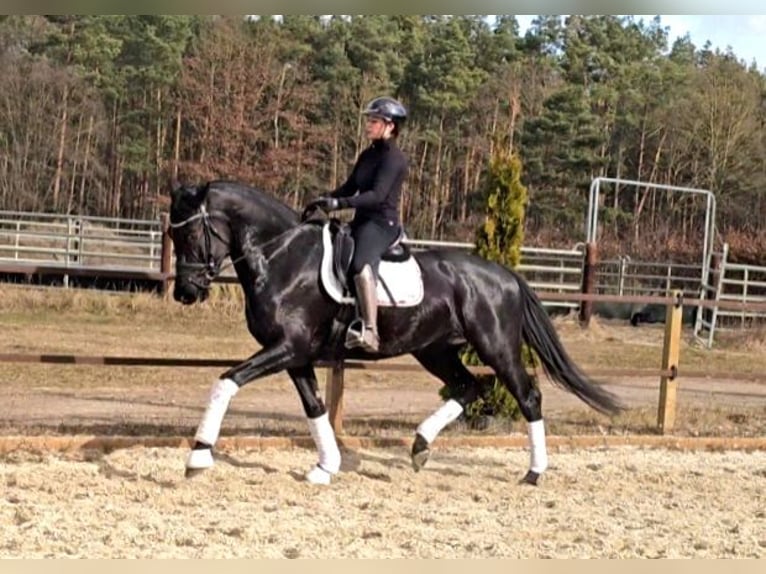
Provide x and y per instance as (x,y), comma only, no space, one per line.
(616,344)
(223,314)
(28,302)
(752,340)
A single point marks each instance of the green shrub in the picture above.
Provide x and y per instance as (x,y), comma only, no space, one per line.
(499,239)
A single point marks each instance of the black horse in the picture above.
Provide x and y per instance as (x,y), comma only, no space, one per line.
(467,299)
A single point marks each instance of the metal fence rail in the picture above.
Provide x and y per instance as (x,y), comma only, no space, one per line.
(623,276)
(83,241)
(746,284)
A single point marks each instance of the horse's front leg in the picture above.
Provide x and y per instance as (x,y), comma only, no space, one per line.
(265,362)
(319,426)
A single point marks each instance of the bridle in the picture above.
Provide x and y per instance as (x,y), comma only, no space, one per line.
(209,269)
(191,271)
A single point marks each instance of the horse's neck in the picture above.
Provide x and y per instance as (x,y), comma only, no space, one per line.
(250,275)
(252,226)
(247,207)
(251,268)
(256,258)
(262,226)
(297,242)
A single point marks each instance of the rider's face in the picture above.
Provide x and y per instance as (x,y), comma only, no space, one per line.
(378,128)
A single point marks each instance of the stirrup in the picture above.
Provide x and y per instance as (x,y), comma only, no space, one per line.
(356,336)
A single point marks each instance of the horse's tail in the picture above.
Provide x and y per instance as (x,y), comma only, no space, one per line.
(538,332)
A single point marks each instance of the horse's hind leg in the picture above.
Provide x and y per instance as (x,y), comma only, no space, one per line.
(527,395)
(503,354)
(443,362)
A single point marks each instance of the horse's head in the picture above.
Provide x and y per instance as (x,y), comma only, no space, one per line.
(201,239)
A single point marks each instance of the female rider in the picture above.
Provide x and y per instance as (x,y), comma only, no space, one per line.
(378,175)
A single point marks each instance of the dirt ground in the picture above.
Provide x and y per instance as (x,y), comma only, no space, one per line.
(618,502)
(389,407)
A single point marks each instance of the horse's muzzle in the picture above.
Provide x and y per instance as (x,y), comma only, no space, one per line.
(188,293)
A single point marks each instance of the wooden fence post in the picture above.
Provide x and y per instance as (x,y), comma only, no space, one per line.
(166,252)
(671,350)
(588,282)
(334,378)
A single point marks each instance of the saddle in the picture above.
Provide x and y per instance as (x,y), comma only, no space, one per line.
(399,278)
(343,252)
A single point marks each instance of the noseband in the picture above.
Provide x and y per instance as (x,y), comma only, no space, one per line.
(210,269)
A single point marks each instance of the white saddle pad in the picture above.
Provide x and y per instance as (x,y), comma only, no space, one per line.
(404,280)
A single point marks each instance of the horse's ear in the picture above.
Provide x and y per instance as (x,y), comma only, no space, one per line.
(175,188)
(191,196)
(196,194)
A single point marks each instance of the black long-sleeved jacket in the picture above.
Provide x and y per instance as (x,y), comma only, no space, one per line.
(378,175)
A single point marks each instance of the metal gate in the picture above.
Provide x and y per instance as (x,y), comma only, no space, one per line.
(709,231)
(704,326)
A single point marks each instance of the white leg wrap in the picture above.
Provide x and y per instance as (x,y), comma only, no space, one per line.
(220,395)
(433,425)
(327,446)
(538,454)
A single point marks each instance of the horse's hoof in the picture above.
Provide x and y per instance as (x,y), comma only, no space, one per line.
(420,453)
(419,460)
(530,478)
(199,459)
(192,472)
(318,475)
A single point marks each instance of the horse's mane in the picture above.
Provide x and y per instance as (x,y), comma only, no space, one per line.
(257,195)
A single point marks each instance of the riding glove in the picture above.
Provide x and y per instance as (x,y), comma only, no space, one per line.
(328,203)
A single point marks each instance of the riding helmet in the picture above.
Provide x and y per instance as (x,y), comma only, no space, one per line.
(387,108)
